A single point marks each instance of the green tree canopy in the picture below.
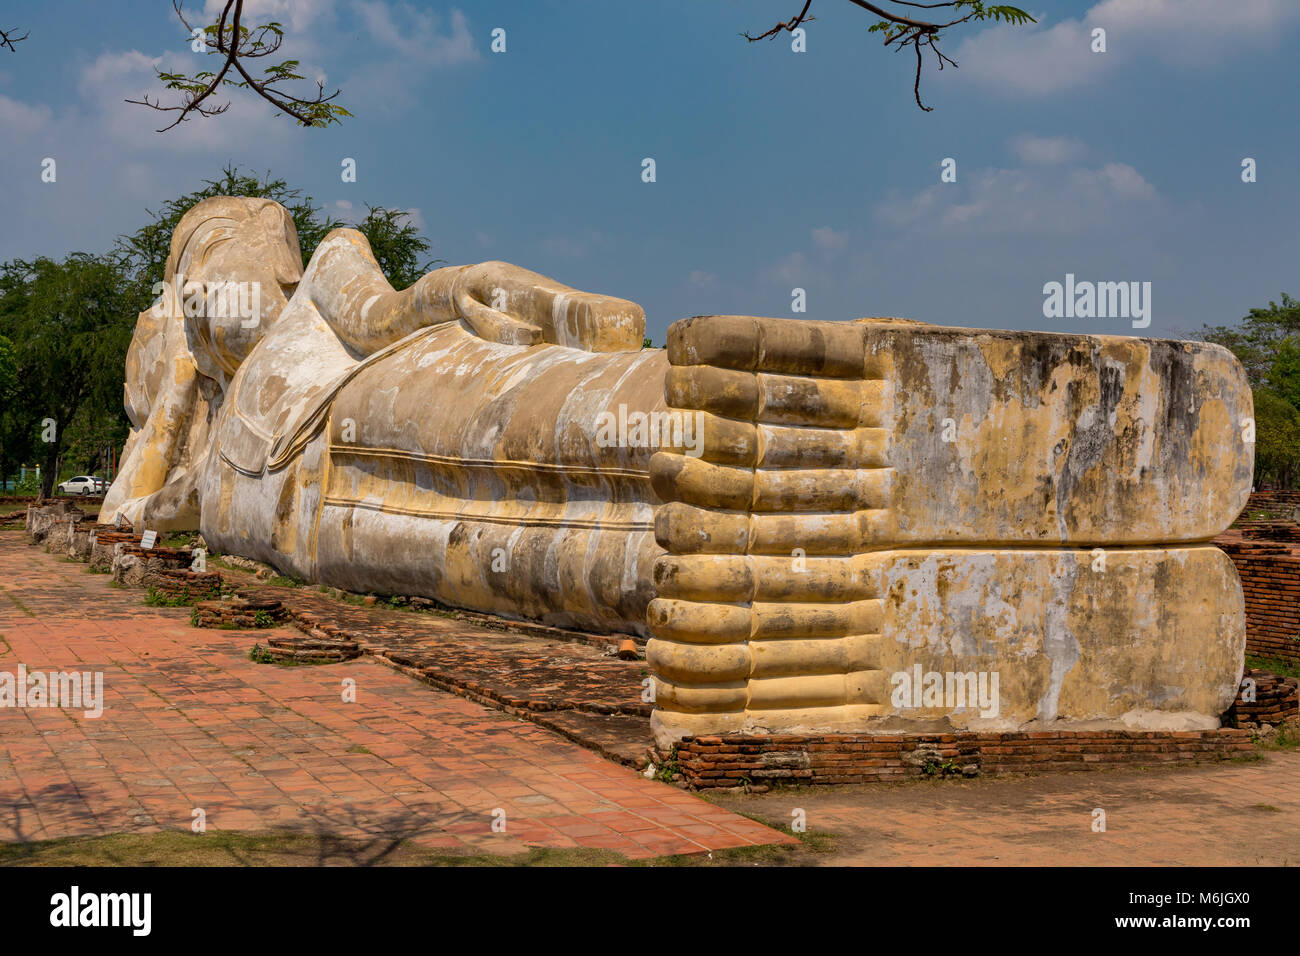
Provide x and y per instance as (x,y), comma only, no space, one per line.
(70,323)
(67,325)
(1283,375)
(398,246)
(144,251)
(1267,343)
(1277,439)
(1256,338)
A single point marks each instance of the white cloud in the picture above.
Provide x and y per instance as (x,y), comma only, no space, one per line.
(1025,202)
(296,15)
(828,238)
(1192,29)
(1046,150)
(415,217)
(809,269)
(699,277)
(1118,179)
(303,21)
(793,269)
(572,247)
(1040,60)
(110,79)
(17,118)
(416,37)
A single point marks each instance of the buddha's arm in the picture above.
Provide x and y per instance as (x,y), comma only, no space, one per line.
(500,302)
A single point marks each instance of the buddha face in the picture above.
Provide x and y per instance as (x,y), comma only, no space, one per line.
(234,264)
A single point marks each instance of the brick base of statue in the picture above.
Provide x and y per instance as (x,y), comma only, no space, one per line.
(710,762)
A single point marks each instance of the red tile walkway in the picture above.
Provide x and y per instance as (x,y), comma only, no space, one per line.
(190,723)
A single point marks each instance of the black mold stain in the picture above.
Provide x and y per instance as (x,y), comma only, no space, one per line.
(1088,446)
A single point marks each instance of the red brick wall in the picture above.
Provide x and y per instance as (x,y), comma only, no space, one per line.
(1270,580)
(182,583)
(1271,501)
(728,761)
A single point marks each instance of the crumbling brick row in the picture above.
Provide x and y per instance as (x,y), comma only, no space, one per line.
(738,760)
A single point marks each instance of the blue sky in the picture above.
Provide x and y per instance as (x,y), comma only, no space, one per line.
(775,169)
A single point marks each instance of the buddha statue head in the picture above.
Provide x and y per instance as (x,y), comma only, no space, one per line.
(233,265)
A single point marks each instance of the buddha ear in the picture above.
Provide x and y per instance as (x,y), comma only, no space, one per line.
(285,253)
(180,240)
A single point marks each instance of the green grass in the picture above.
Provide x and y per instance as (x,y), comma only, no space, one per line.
(812,843)
(222,848)
(260,655)
(156,598)
(669,768)
(1276,665)
(1285,739)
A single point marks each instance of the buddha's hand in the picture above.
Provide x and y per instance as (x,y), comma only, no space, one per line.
(504,303)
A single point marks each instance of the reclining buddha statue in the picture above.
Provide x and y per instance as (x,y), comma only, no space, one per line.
(807,519)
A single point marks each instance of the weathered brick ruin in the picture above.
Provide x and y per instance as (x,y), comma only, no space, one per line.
(309,650)
(736,760)
(1276,699)
(1266,553)
(165,571)
(1270,580)
(64,528)
(239,612)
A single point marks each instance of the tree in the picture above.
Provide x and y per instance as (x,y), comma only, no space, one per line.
(144,252)
(7,39)
(235,44)
(902,30)
(1267,343)
(397,245)
(1284,374)
(65,327)
(1256,338)
(91,437)
(70,323)
(8,413)
(1277,439)
(8,373)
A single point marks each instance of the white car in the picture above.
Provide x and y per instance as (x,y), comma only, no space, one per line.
(83,485)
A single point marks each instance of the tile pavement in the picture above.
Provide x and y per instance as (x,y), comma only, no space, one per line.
(189,722)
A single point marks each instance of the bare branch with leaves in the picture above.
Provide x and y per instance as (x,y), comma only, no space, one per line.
(237,44)
(902,31)
(7,39)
